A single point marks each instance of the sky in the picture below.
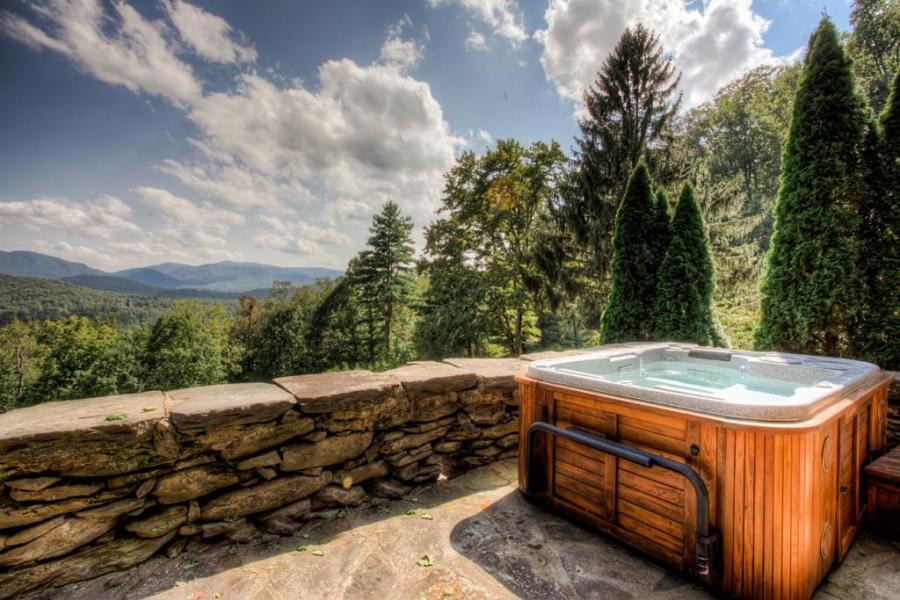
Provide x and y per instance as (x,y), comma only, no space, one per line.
(164,130)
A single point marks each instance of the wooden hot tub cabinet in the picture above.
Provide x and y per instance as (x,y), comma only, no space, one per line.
(785,499)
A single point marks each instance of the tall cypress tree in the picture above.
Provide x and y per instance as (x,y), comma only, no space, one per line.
(663,233)
(683,305)
(811,288)
(878,336)
(635,263)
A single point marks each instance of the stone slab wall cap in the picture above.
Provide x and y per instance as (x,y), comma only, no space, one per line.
(427,377)
(198,409)
(124,417)
(336,391)
(495,373)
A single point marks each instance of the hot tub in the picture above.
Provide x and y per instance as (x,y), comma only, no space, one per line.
(740,468)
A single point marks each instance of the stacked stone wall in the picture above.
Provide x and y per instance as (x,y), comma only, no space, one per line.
(97,485)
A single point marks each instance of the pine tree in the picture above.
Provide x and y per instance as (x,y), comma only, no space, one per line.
(386,277)
(683,306)
(630,109)
(635,262)
(811,287)
(878,336)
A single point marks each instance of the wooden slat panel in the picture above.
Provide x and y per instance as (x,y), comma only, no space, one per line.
(673,480)
(663,492)
(649,518)
(629,523)
(586,478)
(579,460)
(651,503)
(649,439)
(665,429)
(590,453)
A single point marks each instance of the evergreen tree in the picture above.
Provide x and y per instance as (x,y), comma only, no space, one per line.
(386,279)
(663,232)
(810,290)
(878,336)
(683,306)
(454,318)
(630,111)
(635,262)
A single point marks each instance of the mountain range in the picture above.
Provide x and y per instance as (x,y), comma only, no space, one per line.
(222,280)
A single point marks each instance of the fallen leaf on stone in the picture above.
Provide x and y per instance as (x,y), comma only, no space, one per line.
(427,516)
(411,512)
(318,553)
(413,499)
(305,536)
(115,417)
(578,569)
(148,409)
(189,564)
(425,561)
(302,548)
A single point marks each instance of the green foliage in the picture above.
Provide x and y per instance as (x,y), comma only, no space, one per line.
(630,110)
(190,345)
(455,318)
(683,305)
(334,337)
(878,335)
(385,277)
(874,46)
(84,358)
(20,360)
(811,288)
(637,247)
(485,252)
(34,298)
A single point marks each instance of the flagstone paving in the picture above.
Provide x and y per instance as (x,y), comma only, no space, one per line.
(469,537)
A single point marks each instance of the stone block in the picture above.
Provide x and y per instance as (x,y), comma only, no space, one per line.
(56,492)
(285,520)
(72,533)
(160,523)
(494,374)
(87,563)
(192,483)
(362,473)
(500,430)
(195,410)
(330,451)
(262,460)
(20,516)
(388,488)
(83,438)
(337,496)
(412,440)
(428,378)
(263,497)
(434,406)
(242,440)
(340,391)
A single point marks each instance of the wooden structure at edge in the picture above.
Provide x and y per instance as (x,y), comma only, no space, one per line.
(787,499)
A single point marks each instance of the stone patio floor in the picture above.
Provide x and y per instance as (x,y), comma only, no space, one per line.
(485,542)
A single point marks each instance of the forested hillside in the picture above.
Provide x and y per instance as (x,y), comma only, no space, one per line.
(34,298)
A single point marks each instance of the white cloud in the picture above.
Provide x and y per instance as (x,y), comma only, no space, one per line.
(712,44)
(184,214)
(400,53)
(329,152)
(102,217)
(270,240)
(503,17)
(209,35)
(89,255)
(476,41)
(133,53)
(368,132)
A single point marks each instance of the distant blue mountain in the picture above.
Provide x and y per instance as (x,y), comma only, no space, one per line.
(22,263)
(232,278)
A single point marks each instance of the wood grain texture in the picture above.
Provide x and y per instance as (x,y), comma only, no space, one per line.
(787,499)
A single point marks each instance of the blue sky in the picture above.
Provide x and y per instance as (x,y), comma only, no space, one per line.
(142,132)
